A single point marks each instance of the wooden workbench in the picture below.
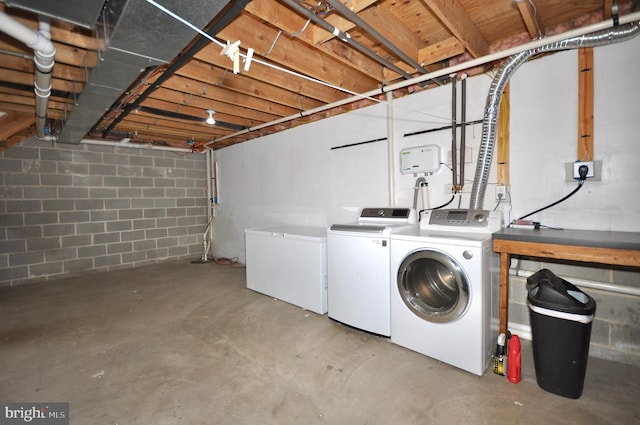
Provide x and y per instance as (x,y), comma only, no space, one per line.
(589,246)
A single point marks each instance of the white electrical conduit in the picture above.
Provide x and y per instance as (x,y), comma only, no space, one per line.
(586,283)
(124,143)
(390,149)
(44,59)
(632,17)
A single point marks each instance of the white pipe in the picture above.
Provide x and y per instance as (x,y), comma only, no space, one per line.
(44,60)
(424,190)
(586,283)
(632,17)
(390,150)
(126,144)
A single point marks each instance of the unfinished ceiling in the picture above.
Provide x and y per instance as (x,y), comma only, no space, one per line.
(147,71)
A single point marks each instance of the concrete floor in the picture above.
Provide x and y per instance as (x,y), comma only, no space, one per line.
(183,343)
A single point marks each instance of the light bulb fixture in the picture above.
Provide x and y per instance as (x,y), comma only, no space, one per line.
(210,120)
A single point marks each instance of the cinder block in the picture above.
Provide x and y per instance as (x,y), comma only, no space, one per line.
(615,307)
(74,216)
(24,232)
(39,244)
(162,182)
(118,248)
(58,205)
(40,218)
(26,258)
(128,214)
(118,226)
(56,180)
(77,266)
(13,246)
(626,337)
(601,332)
(102,170)
(60,254)
(55,154)
(116,182)
(73,193)
(59,229)
(156,233)
(21,206)
(629,278)
(21,179)
(106,238)
(80,241)
(167,242)
(102,193)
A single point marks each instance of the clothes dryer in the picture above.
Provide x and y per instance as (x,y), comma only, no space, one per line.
(444,288)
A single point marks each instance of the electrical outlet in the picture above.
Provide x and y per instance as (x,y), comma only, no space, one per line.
(578,164)
(573,174)
(501,192)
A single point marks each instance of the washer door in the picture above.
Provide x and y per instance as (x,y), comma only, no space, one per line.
(433,286)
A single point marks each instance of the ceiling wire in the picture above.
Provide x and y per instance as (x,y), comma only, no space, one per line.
(254,59)
(279,68)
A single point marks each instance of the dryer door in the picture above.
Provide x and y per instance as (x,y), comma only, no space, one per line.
(433,286)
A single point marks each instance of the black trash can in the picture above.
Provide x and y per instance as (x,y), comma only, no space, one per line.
(561,317)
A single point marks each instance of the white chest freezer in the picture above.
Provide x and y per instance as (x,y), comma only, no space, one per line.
(289,263)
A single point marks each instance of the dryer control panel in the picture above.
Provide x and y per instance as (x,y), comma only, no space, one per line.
(469,220)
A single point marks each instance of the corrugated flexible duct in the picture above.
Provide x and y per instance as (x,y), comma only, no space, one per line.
(489,124)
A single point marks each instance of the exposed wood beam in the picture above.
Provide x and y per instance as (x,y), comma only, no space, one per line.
(393,30)
(530,18)
(13,123)
(282,80)
(198,70)
(193,87)
(26,78)
(437,52)
(60,70)
(455,18)
(585,104)
(320,36)
(286,50)
(203,102)
(69,55)
(440,51)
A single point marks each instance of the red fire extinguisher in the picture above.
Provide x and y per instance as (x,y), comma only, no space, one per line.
(514,374)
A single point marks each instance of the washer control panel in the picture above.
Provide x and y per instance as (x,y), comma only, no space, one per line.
(388,213)
(486,220)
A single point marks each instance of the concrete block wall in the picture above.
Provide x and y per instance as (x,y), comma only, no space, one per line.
(615,332)
(67,209)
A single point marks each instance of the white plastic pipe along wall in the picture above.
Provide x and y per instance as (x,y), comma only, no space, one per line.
(424,191)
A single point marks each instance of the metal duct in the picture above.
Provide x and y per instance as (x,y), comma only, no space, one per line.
(136,35)
(492,108)
(80,12)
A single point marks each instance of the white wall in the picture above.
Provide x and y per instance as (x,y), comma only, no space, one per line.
(544,133)
(293,177)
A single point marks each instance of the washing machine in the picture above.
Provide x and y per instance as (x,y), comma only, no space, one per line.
(358,272)
(445,288)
